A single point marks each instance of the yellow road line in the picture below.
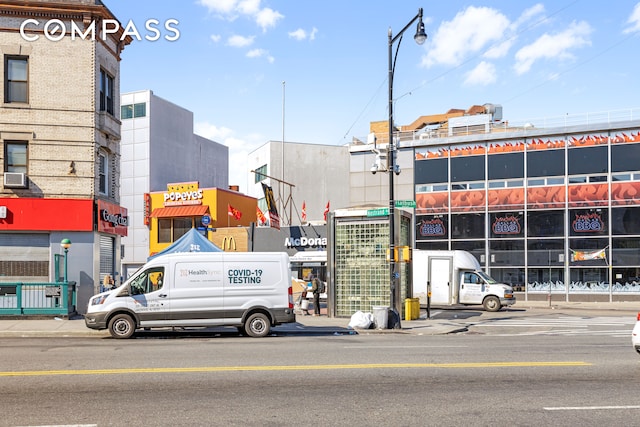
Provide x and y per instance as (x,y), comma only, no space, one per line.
(289,368)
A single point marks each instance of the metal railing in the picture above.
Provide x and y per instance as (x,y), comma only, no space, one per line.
(38,298)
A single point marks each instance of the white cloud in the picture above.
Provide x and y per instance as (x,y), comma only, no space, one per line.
(265,18)
(239,149)
(212,132)
(470,31)
(528,15)
(484,74)
(240,41)
(557,46)
(260,53)
(215,38)
(301,34)
(634,20)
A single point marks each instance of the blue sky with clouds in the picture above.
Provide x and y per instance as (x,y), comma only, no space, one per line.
(536,59)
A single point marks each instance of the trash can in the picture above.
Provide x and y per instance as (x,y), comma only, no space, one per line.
(381,316)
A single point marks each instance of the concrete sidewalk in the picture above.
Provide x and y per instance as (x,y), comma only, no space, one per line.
(442,322)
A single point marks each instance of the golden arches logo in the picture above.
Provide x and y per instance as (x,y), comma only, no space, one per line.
(229,243)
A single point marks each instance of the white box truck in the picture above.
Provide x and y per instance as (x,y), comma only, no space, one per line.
(249,290)
(456,277)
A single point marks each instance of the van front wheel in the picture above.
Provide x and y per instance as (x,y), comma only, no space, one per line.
(122,326)
(257,325)
(491,304)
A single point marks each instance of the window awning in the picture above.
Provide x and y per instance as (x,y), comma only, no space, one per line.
(176,211)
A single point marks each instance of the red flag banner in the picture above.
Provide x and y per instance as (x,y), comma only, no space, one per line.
(326,211)
(260,216)
(304,211)
(234,212)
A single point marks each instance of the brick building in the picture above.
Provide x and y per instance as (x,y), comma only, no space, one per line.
(60,139)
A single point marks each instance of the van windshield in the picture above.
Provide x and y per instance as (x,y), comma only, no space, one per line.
(490,280)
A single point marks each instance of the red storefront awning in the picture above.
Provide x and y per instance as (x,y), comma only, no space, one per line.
(177,211)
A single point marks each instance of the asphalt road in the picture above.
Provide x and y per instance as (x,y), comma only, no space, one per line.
(514,376)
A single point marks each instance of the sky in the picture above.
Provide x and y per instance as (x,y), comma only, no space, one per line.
(315,71)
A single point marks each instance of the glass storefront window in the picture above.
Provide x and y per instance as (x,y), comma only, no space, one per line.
(586,280)
(587,160)
(510,276)
(588,222)
(432,227)
(164,230)
(181,226)
(545,280)
(506,253)
(505,166)
(545,163)
(625,251)
(549,252)
(467,226)
(467,168)
(506,225)
(625,221)
(545,223)
(431,171)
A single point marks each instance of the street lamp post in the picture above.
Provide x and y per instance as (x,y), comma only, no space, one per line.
(66,244)
(392,168)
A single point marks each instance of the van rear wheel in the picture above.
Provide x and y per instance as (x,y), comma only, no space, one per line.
(257,325)
(492,304)
(122,326)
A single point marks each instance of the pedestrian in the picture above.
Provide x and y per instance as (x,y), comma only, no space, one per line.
(315,288)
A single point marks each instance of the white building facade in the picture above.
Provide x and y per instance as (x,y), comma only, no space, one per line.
(158,148)
(298,173)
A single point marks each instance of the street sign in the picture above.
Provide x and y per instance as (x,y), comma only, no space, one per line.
(378,212)
(405,204)
(206,220)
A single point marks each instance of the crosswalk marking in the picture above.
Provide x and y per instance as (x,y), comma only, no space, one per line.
(564,325)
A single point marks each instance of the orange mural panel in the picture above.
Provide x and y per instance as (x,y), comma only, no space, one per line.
(506,148)
(588,195)
(623,137)
(625,193)
(546,197)
(467,201)
(432,202)
(512,198)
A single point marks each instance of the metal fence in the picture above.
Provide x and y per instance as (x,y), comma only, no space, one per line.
(39,298)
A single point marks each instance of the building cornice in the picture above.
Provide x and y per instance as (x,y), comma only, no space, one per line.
(62,11)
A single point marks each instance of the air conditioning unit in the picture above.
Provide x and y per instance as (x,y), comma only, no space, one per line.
(15,180)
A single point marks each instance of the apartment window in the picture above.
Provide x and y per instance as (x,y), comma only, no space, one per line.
(126,112)
(103,162)
(15,156)
(16,80)
(106,92)
(261,173)
(131,111)
(140,110)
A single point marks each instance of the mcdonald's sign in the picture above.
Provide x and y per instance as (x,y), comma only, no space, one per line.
(229,244)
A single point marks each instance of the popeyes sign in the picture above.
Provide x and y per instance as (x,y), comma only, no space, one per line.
(183,194)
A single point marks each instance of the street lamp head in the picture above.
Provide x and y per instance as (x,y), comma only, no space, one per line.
(66,244)
(421,35)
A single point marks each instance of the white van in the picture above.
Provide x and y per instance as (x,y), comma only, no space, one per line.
(249,290)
